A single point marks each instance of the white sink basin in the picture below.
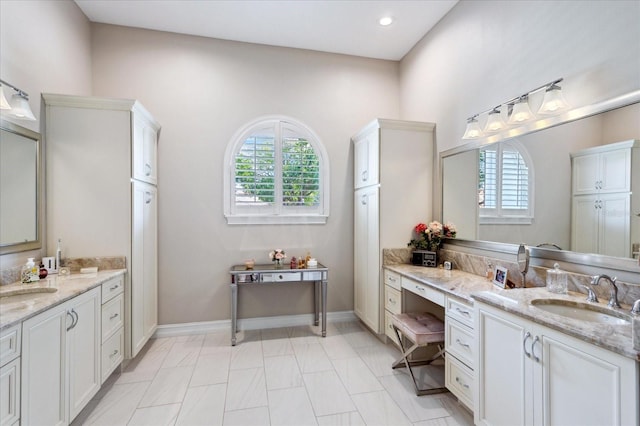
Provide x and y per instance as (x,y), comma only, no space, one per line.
(582,311)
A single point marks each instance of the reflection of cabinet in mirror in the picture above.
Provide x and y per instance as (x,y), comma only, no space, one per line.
(604,210)
(101,176)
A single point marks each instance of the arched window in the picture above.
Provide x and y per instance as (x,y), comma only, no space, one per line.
(276,171)
(505,184)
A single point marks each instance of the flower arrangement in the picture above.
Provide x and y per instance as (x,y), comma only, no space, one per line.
(277,255)
(429,237)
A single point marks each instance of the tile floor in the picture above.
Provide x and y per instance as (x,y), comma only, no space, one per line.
(287,376)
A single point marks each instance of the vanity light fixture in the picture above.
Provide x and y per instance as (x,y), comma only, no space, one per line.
(495,123)
(518,110)
(4,104)
(474,130)
(18,105)
(553,101)
(521,111)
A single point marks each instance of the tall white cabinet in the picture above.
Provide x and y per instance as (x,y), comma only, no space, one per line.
(605,212)
(393,180)
(101,157)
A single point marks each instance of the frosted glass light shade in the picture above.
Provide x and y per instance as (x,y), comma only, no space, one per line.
(553,101)
(20,108)
(4,104)
(473,130)
(495,123)
(521,112)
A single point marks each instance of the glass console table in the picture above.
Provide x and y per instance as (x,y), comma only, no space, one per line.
(270,274)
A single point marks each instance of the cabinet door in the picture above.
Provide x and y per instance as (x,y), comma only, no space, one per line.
(83,350)
(43,368)
(144,282)
(10,393)
(615,225)
(586,174)
(615,171)
(585,224)
(586,385)
(145,149)
(367,257)
(366,160)
(502,373)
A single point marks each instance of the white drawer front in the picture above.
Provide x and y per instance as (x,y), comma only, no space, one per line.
(459,380)
(392,300)
(459,341)
(392,279)
(388,328)
(461,311)
(10,344)
(112,316)
(112,353)
(424,291)
(112,288)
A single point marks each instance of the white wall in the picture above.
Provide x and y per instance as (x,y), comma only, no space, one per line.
(201,91)
(44,47)
(485,52)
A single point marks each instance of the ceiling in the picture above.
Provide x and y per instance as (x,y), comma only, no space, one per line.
(337,26)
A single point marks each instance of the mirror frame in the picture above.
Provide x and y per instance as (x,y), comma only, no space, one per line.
(585,259)
(37,243)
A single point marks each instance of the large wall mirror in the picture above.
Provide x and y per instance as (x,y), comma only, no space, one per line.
(20,189)
(544,210)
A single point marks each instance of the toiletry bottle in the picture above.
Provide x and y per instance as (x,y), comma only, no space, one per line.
(29,272)
(489,271)
(58,255)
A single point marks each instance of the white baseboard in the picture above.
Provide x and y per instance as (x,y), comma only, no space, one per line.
(204,327)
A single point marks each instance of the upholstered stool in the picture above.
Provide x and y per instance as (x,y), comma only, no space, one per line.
(422,329)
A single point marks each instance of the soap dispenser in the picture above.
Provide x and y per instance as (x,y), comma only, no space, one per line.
(30,272)
(556,280)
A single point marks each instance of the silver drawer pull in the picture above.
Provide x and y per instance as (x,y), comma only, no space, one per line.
(114,353)
(114,287)
(392,301)
(147,169)
(458,341)
(392,279)
(461,383)
(419,288)
(467,313)
(113,316)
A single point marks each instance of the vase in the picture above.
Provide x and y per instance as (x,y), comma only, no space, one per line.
(277,263)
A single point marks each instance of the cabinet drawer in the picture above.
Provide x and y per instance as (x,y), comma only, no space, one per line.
(460,311)
(112,353)
(10,344)
(10,393)
(392,300)
(112,288)
(392,279)
(424,291)
(112,316)
(459,341)
(388,327)
(459,380)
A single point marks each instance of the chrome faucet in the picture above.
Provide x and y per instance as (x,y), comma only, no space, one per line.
(613,297)
(635,310)
(591,295)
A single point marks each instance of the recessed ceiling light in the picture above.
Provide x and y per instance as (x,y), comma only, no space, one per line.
(386,21)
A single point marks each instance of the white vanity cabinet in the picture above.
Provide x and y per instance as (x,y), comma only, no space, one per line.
(393,173)
(112,332)
(10,340)
(100,153)
(528,374)
(604,211)
(460,348)
(61,361)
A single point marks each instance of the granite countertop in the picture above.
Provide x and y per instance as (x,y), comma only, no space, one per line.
(42,296)
(616,338)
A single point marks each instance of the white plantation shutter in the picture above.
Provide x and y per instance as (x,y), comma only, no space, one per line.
(505,184)
(278,174)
